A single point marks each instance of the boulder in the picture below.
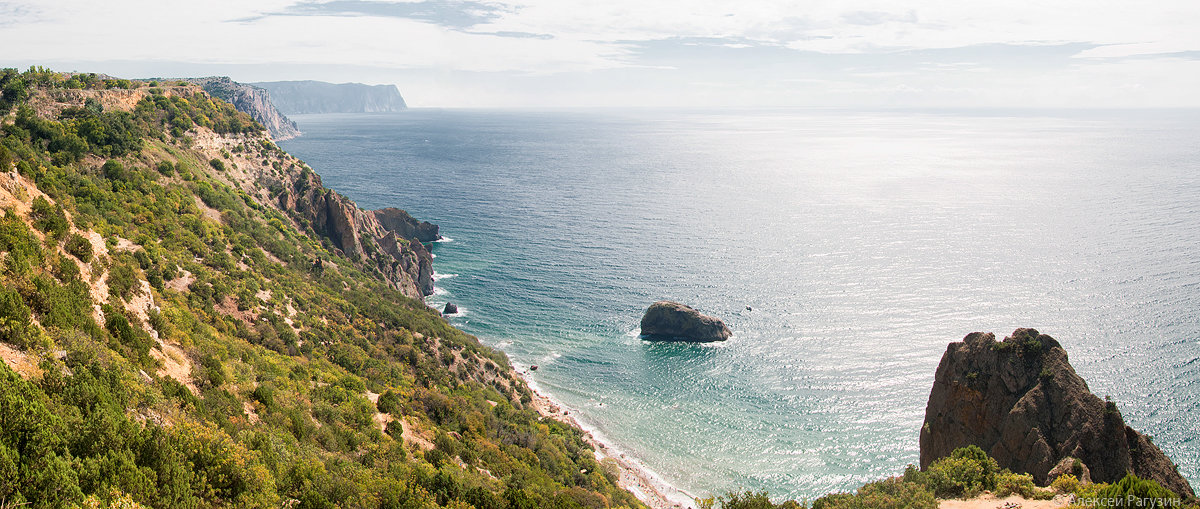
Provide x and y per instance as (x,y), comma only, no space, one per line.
(1022,402)
(1072,466)
(450,309)
(672,321)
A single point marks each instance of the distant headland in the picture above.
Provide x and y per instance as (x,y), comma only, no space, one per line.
(300,97)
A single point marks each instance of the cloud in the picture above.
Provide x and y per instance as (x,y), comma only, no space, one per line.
(642,44)
(12,13)
(454,14)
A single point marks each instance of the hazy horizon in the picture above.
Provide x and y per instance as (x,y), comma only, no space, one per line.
(551,53)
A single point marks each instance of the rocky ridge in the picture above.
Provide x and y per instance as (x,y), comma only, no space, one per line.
(252,100)
(383,242)
(1022,403)
(378,239)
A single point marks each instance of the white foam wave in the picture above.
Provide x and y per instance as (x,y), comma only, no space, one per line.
(437,276)
(444,239)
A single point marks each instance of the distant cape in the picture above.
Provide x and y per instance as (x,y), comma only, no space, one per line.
(298,97)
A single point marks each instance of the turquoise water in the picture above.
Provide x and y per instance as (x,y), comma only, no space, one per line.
(863,242)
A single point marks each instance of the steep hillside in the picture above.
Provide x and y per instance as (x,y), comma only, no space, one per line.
(295,97)
(189,319)
(253,101)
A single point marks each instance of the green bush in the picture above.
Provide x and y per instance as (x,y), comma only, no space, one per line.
(956,478)
(746,500)
(15,325)
(1008,483)
(48,218)
(1066,483)
(894,493)
(1136,492)
(989,465)
(79,247)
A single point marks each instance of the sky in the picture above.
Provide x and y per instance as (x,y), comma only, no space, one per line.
(644,53)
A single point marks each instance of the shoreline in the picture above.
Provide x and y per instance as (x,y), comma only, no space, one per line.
(635,477)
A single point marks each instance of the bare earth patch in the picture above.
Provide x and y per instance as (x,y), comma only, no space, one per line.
(990,501)
(250,413)
(381,419)
(411,436)
(19,361)
(181,283)
(228,306)
(175,364)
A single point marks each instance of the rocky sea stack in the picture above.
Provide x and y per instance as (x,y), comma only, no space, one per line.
(1022,402)
(671,321)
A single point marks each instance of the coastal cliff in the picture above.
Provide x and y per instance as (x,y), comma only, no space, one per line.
(377,239)
(1022,402)
(298,97)
(188,318)
(252,100)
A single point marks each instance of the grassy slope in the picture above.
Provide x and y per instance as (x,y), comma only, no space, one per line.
(189,352)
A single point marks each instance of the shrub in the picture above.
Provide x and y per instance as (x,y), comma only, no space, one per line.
(892,493)
(1137,492)
(15,326)
(49,218)
(121,280)
(1065,483)
(747,500)
(956,478)
(113,170)
(217,164)
(390,403)
(79,247)
(1008,483)
(989,466)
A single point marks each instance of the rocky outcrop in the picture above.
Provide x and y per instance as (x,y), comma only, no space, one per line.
(393,249)
(296,97)
(671,321)
(1022,402)
(450,309)
(399,221)
(252,100)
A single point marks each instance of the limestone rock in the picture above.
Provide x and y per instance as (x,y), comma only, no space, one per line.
(1022,402)
(672,321)
(253,101)
(399,221)
(1068,466)
(319,97)
(386,241)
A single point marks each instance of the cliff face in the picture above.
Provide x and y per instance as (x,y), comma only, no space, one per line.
(396,220)
(253,101)
(390,246)
(1022,402)
(297,97)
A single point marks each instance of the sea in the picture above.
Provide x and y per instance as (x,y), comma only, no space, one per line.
(845,249)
